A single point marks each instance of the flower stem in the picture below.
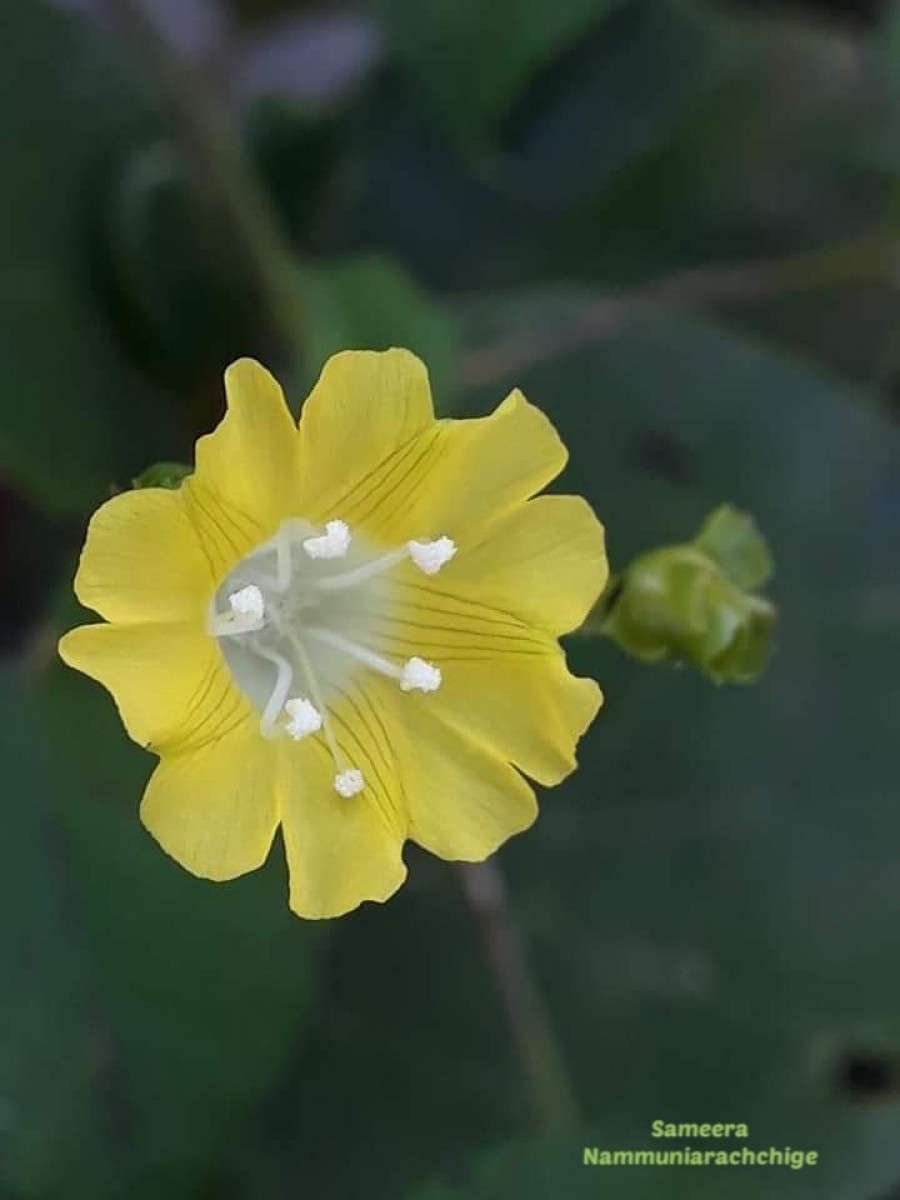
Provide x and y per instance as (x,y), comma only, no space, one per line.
(542,1060)
(222,171)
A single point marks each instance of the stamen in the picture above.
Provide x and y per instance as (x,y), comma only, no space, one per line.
(283,553)
(429,557)
(362,655)
(420,676)
(305,718)
(415,675)
(276,700)
(248,602)
(247,615)
(333,543)
(348,777)
(349,783)
(369,570)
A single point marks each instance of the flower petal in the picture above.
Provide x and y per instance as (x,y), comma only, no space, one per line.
(370,420)
(419,617)
(169,682)
(531,712)
(544,561)
(463,801)
(142,560)
(465,473)
(358,431)
(214,809)
(340,851)
(246,472)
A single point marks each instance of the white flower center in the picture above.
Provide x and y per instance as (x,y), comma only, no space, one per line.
(293,620)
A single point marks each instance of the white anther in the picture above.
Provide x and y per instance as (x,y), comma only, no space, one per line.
(333,543)
(248,602)
(305,718)
(420,676)
(247,614)
(431,556)
(349,783)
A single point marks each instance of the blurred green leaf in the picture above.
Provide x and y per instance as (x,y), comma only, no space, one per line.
(753,151)
(74,416)
(179,288)
(54,1048)
(472,60)
(185,302)
(372,304)
(539,211)
(731,539)
(206,988)
(298,153)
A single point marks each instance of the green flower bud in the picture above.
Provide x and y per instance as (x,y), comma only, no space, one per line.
(690,603)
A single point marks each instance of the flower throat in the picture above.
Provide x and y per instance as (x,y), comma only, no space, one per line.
(293,619)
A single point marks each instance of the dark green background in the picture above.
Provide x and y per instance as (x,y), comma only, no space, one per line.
(713,900)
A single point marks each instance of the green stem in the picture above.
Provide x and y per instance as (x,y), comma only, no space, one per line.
(222,171)
(594,624)
(543,1062)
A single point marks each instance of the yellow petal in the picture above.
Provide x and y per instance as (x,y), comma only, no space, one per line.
(531,712)
(421,617)
(169,682)
(142,560)
(214,808)
(544,562)
(340,851)
(463,801)
(462,474)
(505,682)
(372,454)
(246,471)
(358,431)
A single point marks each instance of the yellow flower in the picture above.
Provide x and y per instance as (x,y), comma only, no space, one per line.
(347,628)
